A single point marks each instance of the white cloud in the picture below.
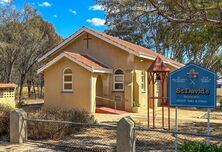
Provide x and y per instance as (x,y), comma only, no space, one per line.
(45,4)
(96,8)
(55,16)
(72,11)
(96,21)
(5,1)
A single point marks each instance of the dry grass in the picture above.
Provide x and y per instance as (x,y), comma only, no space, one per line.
(43,130)
(4,121)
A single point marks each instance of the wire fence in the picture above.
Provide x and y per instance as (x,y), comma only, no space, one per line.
(164,140)
(102,137)
(82,137)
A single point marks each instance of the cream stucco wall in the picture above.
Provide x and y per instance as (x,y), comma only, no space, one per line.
(112,56)
(54,95)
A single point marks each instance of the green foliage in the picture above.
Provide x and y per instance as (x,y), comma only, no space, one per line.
(41,130)
(199,147)
(4,121)
(195,42)
(24,37)
(136,104)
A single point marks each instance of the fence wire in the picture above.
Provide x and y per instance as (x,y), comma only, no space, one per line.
(81,137)
(102,137)
(162,140)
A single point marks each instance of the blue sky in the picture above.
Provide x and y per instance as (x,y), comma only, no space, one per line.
(67,16)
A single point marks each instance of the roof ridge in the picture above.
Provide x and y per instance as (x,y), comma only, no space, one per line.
(155,54)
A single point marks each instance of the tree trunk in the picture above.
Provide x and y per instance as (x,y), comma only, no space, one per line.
(29,85)
(33,85)
(22,80)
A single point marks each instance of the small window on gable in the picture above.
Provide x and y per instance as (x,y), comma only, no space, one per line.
(118,80)
(67,80)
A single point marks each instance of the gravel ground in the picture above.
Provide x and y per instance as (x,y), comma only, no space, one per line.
(104,139)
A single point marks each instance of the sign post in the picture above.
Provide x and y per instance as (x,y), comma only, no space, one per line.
(176,128)
(192,86)
(208,125)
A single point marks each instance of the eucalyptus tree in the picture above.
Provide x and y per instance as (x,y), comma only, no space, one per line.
(24,37)
(185,31)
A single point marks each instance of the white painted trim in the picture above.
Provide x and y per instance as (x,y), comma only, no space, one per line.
(114,82)
(102,70)
(91,99)
(98,70)
(143,73)
(164,60)
(84,29)
(67,82)
(145,56)
(111,42)
(75,35)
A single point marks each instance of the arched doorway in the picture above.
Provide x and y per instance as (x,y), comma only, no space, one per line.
(99,91)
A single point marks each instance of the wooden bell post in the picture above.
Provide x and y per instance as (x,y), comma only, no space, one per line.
(157,78)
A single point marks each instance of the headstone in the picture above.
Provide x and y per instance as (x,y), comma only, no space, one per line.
(126,135)
(18,126)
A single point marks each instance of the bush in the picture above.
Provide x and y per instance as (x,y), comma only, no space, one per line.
(199,147)
(44,130)
(4,121)
(136,104)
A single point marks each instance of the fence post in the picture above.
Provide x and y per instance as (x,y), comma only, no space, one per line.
(18,126)
(126,135)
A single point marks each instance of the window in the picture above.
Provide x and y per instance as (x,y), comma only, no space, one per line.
(143,87)
(118,83)
(67,80)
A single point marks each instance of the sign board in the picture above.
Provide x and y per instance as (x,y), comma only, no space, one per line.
(192,86)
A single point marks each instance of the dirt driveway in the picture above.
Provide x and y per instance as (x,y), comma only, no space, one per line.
(194,120)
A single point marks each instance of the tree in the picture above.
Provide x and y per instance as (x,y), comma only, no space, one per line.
(24,39)
(139,22)
(9,35)
(189,11)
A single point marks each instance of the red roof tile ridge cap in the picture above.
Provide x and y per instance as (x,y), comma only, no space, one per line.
(154,53)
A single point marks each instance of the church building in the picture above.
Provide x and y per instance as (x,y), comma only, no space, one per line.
(91,69)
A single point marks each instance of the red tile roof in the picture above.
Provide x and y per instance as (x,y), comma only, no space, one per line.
(158,66)
(134,47)
(86,60)
(7,85)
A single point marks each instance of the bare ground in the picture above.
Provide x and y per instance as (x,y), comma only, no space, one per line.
(104,139)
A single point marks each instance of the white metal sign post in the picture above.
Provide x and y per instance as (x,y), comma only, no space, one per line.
(208,125)
(192,86)
(176,129)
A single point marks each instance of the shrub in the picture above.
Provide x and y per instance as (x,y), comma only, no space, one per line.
(136,104)
(199,147)
(44,130)
(4,121)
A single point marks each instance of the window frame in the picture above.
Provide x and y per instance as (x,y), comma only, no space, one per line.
(115,82)
(67,82)
(143,83)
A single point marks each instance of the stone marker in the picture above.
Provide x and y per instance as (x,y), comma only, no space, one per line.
(18,126)
(126,135)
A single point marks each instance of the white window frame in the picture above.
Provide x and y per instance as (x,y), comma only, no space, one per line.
(143,81)
(114,80)
(67,82)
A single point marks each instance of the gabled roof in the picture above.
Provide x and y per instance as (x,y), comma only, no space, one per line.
(82,60)
(158,66)
(127,46)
